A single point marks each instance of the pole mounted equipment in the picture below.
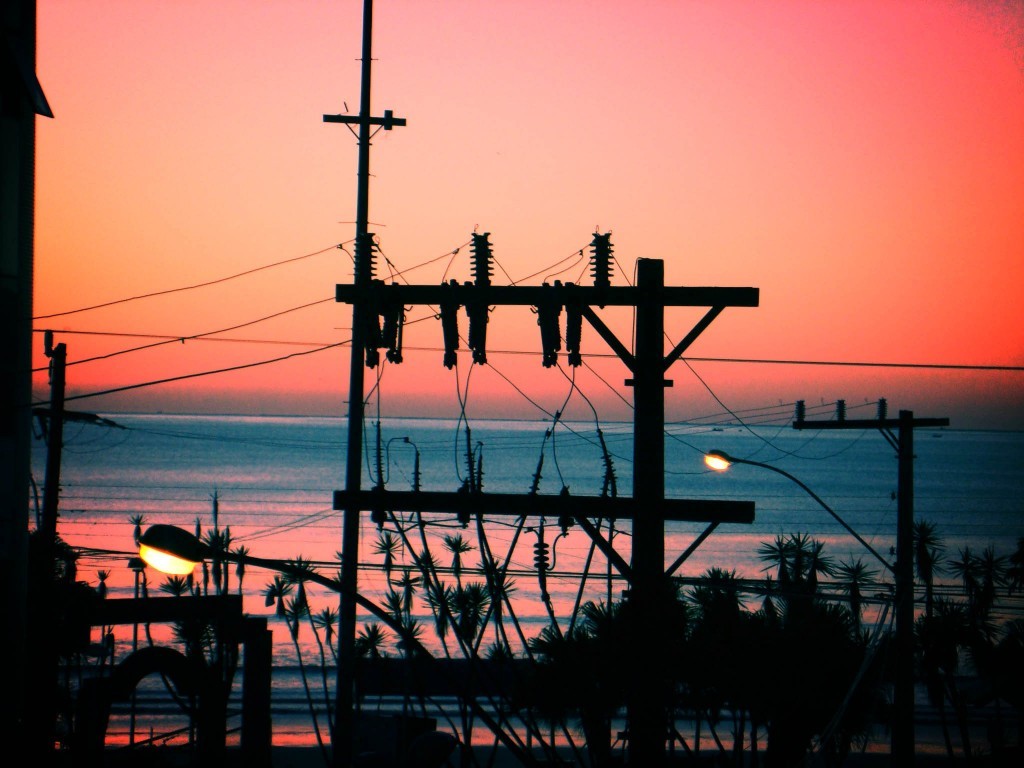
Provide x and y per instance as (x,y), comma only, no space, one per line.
(902,729)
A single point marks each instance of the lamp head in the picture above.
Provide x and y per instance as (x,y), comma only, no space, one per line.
(718,460)
(171,550)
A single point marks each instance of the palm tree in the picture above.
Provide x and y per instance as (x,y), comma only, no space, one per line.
(929,553)
(440,598)
(138,521)
(801,551)
(370,641)
(1001,665)
(968,569)
(294,612)
(240,553)
(408,584)
(577,675)
(276,591)
(941,637)
(854,577)
(469,604)
(327,622)
(992,574)
(769,609)
(458,546)
(369,647)
(387,545)
(501,588)
(101,588)
(818,564)
(175,585)
(300,570)
(776,554)
(710,670)
(1015,571)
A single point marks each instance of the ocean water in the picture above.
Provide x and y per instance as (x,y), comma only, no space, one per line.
(272,479)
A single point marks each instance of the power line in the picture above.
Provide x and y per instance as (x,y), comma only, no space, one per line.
(183,339)
(200,374)
(863,364)
(593,355)
(189,287)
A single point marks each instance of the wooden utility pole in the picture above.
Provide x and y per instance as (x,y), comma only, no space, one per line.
(42,642)
(342,739)
(902,745)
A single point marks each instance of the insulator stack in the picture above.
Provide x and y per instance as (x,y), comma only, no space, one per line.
(548,312)
(601,259)
(450,328)
(369,316)
(366,266)
(800,411)
(373,343)
(470,465)
(883,409)
(540,556)
(477,341)
(840,410)
(391,335)
(573,334)
(535,485)
(481,259)
(477,310)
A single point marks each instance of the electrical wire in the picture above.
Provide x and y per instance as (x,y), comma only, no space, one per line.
(183,339)
(198,374)
(190,287)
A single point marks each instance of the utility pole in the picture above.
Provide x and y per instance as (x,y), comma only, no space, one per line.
(342,739)
(42,643)
(902,745)
(648,509)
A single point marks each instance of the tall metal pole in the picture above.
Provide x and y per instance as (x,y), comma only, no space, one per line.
(903,692)
(645,706)
(344,725)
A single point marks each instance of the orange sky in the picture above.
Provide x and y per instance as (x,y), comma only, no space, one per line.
(860,163)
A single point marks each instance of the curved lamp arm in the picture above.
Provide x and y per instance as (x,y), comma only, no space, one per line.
(721,461)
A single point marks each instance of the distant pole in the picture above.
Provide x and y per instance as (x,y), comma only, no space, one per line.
(903,692)
(42,643)
(902,733)
(55,444)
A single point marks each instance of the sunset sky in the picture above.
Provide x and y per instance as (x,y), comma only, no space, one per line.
(861,163)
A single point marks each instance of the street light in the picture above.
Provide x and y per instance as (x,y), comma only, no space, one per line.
(721,461)
(173,550)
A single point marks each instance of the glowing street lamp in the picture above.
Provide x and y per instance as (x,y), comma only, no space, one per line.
(171,550)
(721,461)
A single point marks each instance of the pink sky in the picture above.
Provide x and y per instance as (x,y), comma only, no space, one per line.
(860,163)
